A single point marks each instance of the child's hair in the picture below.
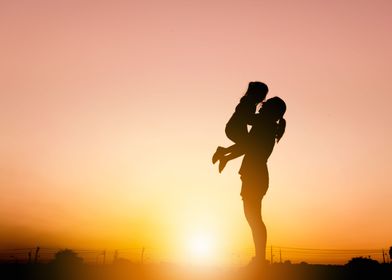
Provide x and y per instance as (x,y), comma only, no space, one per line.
(277,107)
(257,86)
(257,91)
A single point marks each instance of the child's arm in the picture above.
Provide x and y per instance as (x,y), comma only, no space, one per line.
(252,119)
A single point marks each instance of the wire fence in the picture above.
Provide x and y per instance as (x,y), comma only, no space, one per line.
(275,254)
(98,256)
(324,256)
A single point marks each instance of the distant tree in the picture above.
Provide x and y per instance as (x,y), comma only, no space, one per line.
(390,253)
(67,257)
(287,262)
(361,262)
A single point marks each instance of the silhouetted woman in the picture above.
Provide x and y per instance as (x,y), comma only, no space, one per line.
(268,127)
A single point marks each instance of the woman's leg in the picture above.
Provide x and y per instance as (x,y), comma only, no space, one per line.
(252,209)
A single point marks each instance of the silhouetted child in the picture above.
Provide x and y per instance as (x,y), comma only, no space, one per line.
(270,117)
(236,128)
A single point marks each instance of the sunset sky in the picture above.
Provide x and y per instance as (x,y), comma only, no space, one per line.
(110,112)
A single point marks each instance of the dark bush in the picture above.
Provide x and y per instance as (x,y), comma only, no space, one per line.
(67,257)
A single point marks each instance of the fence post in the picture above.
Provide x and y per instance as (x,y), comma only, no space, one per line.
(142,256)
(36,254)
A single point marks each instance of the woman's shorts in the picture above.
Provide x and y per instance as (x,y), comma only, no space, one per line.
(255,186)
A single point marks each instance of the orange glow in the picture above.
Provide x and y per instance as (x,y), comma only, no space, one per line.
(110,113)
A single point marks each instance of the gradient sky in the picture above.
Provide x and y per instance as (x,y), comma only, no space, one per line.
(110,112)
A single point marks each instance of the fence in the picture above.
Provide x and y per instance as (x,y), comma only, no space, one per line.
(275,254)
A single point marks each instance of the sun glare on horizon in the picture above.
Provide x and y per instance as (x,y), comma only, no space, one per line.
(201,248)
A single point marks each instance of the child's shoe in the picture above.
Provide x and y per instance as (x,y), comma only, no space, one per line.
(218,154)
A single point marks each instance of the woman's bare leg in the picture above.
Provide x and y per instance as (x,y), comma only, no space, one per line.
(252,209)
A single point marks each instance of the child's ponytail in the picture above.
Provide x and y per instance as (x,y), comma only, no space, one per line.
(280,128)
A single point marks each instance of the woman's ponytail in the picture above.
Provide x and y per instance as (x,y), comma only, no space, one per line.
(280,128)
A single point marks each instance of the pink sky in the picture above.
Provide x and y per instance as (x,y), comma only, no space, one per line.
(110,111)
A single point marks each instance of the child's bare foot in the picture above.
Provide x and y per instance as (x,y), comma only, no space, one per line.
(218,154)
(222,163)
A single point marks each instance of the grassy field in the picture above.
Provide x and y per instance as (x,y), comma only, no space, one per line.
(122,271)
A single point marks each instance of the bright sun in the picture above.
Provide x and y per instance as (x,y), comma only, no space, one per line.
(201,247)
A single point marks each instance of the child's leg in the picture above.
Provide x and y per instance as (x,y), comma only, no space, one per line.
(235,152)
(221,152)
(236,128)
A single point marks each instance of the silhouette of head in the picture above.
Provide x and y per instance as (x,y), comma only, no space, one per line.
(274,109)
(257,91)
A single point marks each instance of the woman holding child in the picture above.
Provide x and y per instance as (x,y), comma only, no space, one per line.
(268,126)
